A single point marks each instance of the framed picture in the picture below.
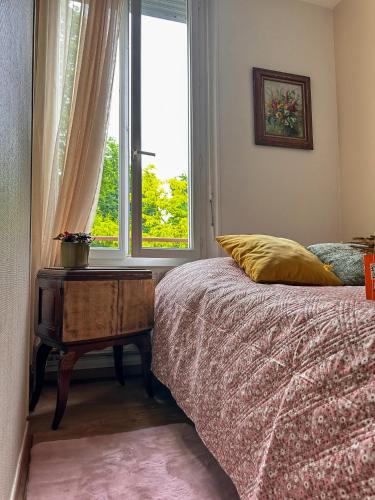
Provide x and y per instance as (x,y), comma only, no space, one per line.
(282,109)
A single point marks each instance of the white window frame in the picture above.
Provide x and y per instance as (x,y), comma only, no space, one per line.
(198,200)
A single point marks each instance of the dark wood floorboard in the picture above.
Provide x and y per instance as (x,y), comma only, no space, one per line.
(103,407)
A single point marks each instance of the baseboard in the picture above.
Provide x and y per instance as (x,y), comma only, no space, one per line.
(20,478)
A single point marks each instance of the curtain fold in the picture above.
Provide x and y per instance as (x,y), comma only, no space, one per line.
(75,53)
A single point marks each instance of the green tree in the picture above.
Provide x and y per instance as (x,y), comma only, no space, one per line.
(106,222)
(176,205)
(108,202)
(165,212)
(153,193)
(164,209)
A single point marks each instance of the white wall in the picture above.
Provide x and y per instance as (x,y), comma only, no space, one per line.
(355,64)
(271,190)
(15,168)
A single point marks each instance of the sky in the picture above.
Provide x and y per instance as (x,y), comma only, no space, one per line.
(164,91)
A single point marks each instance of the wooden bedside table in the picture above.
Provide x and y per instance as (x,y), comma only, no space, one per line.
(80,310)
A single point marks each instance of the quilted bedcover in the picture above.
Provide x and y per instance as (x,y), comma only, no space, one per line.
(279,380)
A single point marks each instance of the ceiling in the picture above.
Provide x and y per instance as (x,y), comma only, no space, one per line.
(330,4)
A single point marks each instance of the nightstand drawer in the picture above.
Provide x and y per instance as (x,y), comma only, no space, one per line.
(136,305)
(93,304)
(90,310)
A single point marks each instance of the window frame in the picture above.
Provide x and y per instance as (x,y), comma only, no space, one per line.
(197,43)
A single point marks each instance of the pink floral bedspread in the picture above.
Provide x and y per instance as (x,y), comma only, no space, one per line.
(279,380)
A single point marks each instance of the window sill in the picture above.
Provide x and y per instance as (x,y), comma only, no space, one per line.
(154,264)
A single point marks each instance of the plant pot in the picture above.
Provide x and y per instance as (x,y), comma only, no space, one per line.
(74,255)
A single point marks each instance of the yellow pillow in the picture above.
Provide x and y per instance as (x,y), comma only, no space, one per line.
(267,259)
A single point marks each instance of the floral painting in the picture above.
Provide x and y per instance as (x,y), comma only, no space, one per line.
(282,109)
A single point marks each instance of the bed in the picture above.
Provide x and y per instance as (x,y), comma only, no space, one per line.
(279,380)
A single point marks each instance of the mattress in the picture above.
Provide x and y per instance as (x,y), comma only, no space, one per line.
(279,380)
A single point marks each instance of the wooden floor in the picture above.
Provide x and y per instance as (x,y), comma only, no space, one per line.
(103,407)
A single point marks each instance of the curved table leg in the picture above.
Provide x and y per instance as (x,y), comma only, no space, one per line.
(143,344)
(119,369)
(66,365)
(40,360)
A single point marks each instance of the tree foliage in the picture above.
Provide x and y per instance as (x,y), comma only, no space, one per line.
(108,203)
(164,204)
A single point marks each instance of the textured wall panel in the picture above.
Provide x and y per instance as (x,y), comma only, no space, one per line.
(15,171)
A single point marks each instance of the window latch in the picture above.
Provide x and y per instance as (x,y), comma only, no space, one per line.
(137,152)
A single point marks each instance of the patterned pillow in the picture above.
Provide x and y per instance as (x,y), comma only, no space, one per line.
(346,260)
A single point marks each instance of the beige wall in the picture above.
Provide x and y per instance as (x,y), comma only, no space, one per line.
(354,22)
(275,190)
(15,148)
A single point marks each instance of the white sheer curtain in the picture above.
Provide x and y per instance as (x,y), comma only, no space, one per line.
(75,52)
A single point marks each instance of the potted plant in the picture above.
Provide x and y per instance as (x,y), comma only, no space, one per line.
(75,248)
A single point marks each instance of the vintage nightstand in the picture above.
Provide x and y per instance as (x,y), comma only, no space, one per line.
(80,310)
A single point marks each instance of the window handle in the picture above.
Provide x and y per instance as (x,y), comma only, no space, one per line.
(137,152)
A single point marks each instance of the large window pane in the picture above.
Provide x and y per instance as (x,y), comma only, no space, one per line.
(164,214)
(165,124)
(106,222)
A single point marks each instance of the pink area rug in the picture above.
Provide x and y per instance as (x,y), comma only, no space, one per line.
(160,463)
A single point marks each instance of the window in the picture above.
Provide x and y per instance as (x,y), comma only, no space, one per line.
(152,180)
